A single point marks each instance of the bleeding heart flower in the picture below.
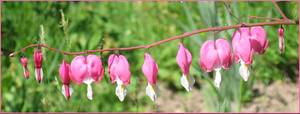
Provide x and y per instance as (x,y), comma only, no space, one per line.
(87,70)
(150,70)
(38,59)
(184,60)
(64,72)
(281,39)
(258,38)
(243,51)
(118,69)
(24,62)
(215,56)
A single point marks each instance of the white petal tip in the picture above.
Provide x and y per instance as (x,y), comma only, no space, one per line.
(63,91)
(217,85)
(36,74)
(187,82)
(244,71)
(121,92)
(151,92)
(89,93)
(218,78)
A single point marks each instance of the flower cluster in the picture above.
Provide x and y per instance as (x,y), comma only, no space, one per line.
(245,42)
(215,55)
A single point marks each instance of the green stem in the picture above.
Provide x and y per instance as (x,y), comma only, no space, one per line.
(240,95)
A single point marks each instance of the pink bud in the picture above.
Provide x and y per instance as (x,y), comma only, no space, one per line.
(214,56)
(87,69)
(184,60)
(24,62)
(150,69)
(281,39)
(259,39)
(38,58)
(64,72)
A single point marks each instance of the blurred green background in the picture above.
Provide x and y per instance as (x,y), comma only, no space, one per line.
(88,25)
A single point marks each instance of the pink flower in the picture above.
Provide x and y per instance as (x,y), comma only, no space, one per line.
(281,39)
(259,39)
(38,59)
(64,72)
(118,69)
(215,56)
(184,60)
(87,70)
(243,51)
(24,62)
(150,70)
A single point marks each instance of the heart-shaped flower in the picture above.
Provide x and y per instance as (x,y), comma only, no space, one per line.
(258,38)
(119,71)
(87,70)
(243,51)
(215,56)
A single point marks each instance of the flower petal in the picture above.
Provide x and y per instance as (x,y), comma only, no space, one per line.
(151,91)
(78,69)
(122,70)
(184,59)
(112,63)
(224,52)
(208,56)
(121,91)
(150,69)
(218,78)
(244,71)
(94,66)
(187,82)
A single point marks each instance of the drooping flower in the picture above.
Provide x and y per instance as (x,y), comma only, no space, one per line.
(243,51)
(150,70)
(281,39)
(259,41)
(24,62)
(38,60)
(87,70)
(64,72)
(118,69)
(215,56)
(184,60)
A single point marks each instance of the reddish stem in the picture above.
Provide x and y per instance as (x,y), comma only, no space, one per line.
(279,10)
(184,35)
(265,18)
